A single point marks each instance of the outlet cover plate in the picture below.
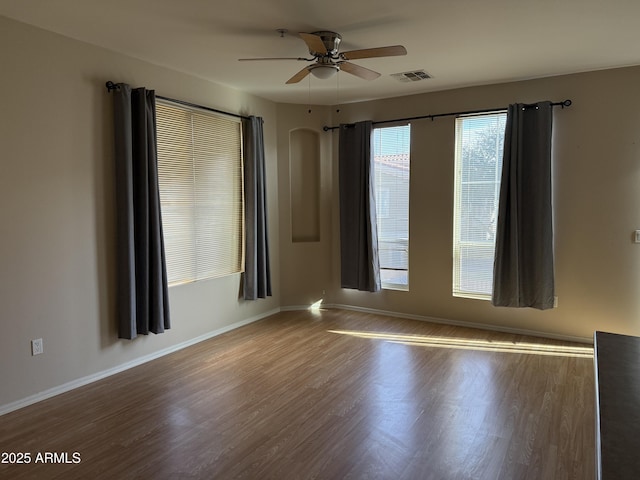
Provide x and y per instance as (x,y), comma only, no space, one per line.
(36,347)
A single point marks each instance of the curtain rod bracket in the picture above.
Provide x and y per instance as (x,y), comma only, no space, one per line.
(111,86)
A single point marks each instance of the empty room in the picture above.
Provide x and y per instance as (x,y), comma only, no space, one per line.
(296,240)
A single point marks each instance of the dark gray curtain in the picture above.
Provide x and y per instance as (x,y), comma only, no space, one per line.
(359,263)
(143,300)
(257,271)
(523,270)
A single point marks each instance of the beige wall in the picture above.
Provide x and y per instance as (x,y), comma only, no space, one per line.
(596,197)
(57,217)
(305,266)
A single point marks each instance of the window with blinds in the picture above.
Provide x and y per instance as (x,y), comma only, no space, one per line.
(201,192)
(391,147)
(478,160)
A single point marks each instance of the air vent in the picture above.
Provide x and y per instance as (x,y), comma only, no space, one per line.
(414,76)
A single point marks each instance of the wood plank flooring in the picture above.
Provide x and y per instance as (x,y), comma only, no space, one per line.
(326,395)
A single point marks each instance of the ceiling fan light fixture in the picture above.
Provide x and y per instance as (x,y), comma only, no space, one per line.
(324,71)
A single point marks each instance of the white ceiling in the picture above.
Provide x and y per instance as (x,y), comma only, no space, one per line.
(459,42)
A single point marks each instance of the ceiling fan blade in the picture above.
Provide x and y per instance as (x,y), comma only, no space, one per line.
(299,76)
(359,71)
(314,42)
(391,51)
(273,58)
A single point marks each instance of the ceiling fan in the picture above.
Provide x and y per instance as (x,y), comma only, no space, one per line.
(324,47)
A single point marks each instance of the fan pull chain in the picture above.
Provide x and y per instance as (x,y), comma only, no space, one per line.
(309,97)
(338,91)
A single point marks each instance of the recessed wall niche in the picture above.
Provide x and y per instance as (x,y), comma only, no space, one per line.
(304,171)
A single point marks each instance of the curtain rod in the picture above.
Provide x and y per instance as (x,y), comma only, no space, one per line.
(113,86)
(565,103)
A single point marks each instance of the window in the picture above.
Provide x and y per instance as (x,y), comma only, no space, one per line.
(200,178)
(479,145)
(391,147)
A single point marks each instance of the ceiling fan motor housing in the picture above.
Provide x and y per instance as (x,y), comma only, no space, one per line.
(331,42)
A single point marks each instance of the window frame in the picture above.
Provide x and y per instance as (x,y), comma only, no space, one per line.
(387,213)
(458,244)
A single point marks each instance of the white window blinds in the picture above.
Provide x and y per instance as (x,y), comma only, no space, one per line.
(391,164)
(200,178)
(479,150)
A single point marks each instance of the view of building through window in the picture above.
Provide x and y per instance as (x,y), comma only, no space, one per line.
(479,150)
(391,147)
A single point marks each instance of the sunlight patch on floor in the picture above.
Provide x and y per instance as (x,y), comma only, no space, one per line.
(314,307)
(474,344)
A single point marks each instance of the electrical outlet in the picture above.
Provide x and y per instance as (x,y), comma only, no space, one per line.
(36,347)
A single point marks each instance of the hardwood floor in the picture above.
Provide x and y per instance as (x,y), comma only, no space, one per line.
(327,395)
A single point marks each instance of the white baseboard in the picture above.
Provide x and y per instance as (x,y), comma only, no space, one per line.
(297,308)
(458,323)
(52,392)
